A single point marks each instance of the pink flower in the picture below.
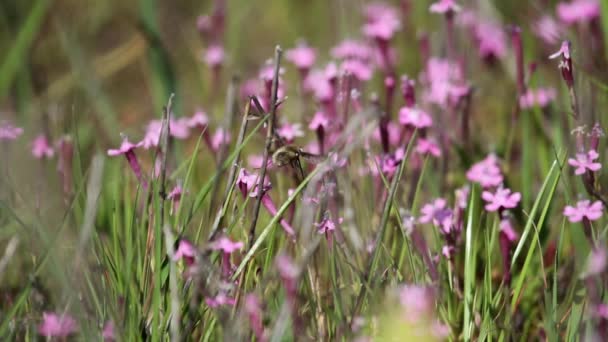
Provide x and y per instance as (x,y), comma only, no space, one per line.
(54,325)
(584,162)
(462,196)
(214,56)
(578,11)
(319,120)
(219,138)
(267,72)
(417,302)
(597,262)
(507,229)
(394,133)
(41,147)
(438,214)
(253,308)
(290,131)
(185,250)
(8,131)
(226,245)
(486,172)
(584,209)
(444,6)
(255,161)
(327,225)
(320,85)
(179,129)
(125,147)
(540,97)
(548,29)
(248,183)
(414,117)
(564,51)
(221,299)
(502,198)
(352,49)
(428,146)
(446,82)
(198,119)
(491,40)
(362,71)
(382,22)
(302,56)
(288,270)
(109,331)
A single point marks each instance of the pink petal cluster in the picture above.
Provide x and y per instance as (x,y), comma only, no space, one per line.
(584,162)
(41,148)
(548,29)
(415,117)
(584,209)
(302,56)
(214,56)
(248,183)
(8,131)
(382,22)
(486,172)
(352,49)
(327,225)
(446,83)
(226,245)
(55,325)
(289,131)
(221,299)
(445,6)
(427,146)
(540,97)
(125,147)
(438,214)
(319,120)
(109,331)
(417,302)
(185,250)
(578,11)
(503,198)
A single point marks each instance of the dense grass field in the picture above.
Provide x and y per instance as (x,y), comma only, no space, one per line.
(314,170)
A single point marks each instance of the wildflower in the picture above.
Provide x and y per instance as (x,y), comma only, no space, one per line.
(352,49)
(319,84)
(394,133)
(446,82)
(214,56)
(428,146)
(9,132)
(221,299)
(584,210)
(540,97)
(255,161)
(289,273)
(227,247)
(502,199)
(565,64)
(584,162)
(417,302)
(548,29)
(175,196)
(437,213)
(319,120)
(408,91)
(445,7)
(219,138)
(290,131)
(362,71)
(414,117)
(491,40)
(578,11)
(327,225)
(54,325)
(382,22)
(597,262)
(486,172)
(109,331)
(185,250)
(267,72)
(41,147)
(302,56)
(507,239)
(462,196)
(126,148)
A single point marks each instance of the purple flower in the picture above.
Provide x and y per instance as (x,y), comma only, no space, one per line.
(382,22)
(9,132)
(248,183)
(214,56)
(444,6)
(360,70)
(564,51)
(302,56)
(446,82)
(578,11)
(501,199)
(540,97)
(267,72)
(54,325)
(417,302)
(320,85)
(414,117)
(41,147)
(125,147)
(486,172)
(438,214)
(584,209)
(428,146)
(290,131)
(221,299)
(491,40)
(507,229)
(226,245)
(584,162)
(253,308)
(185,250)
(219,138)
(462,196)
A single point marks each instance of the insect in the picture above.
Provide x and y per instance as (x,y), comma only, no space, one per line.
(291,154)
